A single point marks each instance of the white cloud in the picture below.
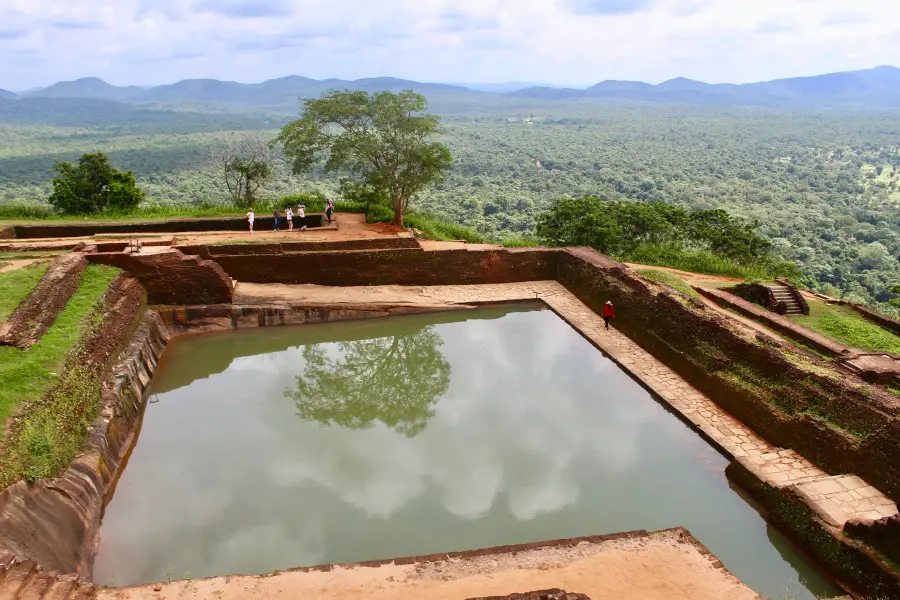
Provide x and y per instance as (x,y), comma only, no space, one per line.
(568,41)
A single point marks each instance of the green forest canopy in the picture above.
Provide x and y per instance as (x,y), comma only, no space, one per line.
(822,184)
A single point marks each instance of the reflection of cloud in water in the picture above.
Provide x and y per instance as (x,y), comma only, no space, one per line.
(530,408)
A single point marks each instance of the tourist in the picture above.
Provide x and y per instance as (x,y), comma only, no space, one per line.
(289,216)
(301,214)
(608,312)
(275,216)
(250,218)
(329,208)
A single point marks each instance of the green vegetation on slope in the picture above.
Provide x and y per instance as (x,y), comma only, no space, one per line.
(843,324)
(811,178)
(669,279)
(55,422)
(703,241)
(15,285)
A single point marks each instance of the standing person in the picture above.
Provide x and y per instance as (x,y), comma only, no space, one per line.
(609,312)
(275,215)
(289,216)
(250,217)
(301,214)
(329,208)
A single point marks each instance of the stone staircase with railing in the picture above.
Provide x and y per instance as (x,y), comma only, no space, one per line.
(24,580)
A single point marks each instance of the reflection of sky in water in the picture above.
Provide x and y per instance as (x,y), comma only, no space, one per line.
(538,437)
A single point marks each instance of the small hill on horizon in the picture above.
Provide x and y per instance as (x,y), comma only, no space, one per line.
(7,94)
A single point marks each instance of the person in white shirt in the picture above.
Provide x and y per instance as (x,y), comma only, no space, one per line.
(250,217)
(289,215)
(301,214)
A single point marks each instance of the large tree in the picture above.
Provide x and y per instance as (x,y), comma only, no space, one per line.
(245,164)
(382,138)
(93,185)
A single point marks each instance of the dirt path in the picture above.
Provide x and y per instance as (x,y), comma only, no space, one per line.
(13,265)
(658,567)
(689,277)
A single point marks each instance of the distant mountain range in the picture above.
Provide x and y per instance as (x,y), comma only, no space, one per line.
(877,87)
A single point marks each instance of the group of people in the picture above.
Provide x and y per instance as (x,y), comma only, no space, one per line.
(289,216)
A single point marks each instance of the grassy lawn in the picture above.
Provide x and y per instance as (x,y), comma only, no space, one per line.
(15,285)
(669,279)
(26,376)
(844,325)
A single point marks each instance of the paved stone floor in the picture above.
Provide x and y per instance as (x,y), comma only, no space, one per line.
(836,499)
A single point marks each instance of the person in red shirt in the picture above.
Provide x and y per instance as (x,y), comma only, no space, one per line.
(608,312)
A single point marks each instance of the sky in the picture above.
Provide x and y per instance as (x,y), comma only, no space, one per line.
(151,42)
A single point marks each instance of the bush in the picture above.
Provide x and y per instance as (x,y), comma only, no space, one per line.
(93,186)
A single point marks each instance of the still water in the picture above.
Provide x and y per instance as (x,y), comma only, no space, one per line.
(272,448)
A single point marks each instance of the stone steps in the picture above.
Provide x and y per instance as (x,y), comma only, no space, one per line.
(24,580)
(783,294)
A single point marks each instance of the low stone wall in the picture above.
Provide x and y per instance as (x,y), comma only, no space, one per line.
(38,311)
(778,323)
(313,220)
(839,425)
(55,522)
(848,560)
(384,243)
(883,534)
(756,293)
(877,318)
(395,267)
(173,278)
(217,317)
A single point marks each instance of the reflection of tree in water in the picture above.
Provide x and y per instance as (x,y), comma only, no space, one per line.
(395,380)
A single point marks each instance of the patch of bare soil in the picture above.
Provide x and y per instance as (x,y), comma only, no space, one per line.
(689,277)
(662,566)
(13,265)
(350,226)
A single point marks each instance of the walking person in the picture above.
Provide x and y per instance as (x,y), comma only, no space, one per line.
(289,216)
(250,218)
(608,313)
(329,209)
(301,214)
(275,215)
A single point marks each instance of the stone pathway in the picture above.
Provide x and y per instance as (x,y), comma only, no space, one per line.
(837,499)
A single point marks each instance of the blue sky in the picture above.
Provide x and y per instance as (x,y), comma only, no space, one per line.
(146,42)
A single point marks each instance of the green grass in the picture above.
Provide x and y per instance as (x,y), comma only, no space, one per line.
(844,325)
(669,279)
(28,213)
(16,214)
(13,255)
(15,285)
(435,229)
(53,423)
(432,228)
(704,261)
(521,241)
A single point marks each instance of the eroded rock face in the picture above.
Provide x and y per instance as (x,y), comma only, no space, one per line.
(37,312)
(554,594)
(884,535)
(55,522)
(173,278)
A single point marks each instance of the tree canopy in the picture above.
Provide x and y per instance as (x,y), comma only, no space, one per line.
(383,138)
(93,185)
(621,227)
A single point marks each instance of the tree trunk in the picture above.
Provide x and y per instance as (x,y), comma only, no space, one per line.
(398,213)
